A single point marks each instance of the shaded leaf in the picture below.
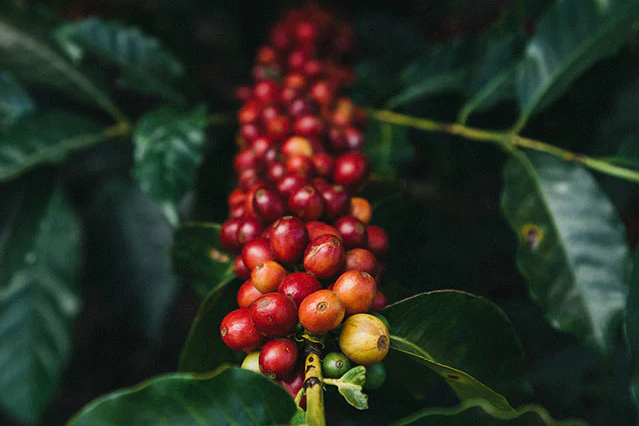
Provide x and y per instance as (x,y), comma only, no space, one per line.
(38,302)
(131,240)
(204,349)
(631,328)
(147,66)
(45,138)
(446,67)
(198,256)
(15,102)
(465,339)
(32,57)
(479,412)
(228,396)
(572,245)
(571,36)
(168,151)
(388,147)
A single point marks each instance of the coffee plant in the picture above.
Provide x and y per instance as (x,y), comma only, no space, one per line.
(289,213)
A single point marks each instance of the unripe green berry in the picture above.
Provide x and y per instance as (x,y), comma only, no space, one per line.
(375,376)
(335,364)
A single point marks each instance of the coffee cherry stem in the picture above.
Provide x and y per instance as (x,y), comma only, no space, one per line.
(314,386)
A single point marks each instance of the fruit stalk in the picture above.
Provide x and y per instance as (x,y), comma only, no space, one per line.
(314,386)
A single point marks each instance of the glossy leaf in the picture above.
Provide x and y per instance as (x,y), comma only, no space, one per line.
(444,68)
(38,302)
(571,36)
(27,51)
(228,396)
(15,102)
(130,241)
(388,147)
(204,349)
(46,138)
(148,67)
(465,339)
(168,151)
(479,412)
(572,246)
(631,323)
(198,256)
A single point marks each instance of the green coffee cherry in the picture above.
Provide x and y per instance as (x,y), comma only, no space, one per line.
(335,364)
(375,376)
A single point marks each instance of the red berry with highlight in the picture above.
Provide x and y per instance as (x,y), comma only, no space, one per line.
(239,333)
(274,315)
(278,358)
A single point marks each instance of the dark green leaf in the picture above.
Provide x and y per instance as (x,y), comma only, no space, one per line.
(28,53)
(229,396)
(631,329)
(494,76)
(15,102)
(388,148)
(199,257)
(45,138)
(446,67)
(131,240)
(38,302)
(168,151)
(572,245)
(147,66)
(204,349)
(465,339)
(571,36)
(479,412)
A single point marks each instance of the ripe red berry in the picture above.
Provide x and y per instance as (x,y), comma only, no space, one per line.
(298,285)
(245,159)
(379,302)
(247,294)
(353,232)
(354,138)
(323,164)
(300,165)
(278,358)
(290,183)
(356,289)
(265,92)
(296,145)
(266,276)
(336,199)
(307,203)
(359,259)
(289,239)
(276,171)
(268,205)
(317,228)
(321,312)
(302,106)
(228,235)
(309,125)
(249,229)
(377,240)
(274,314)
(239,333)
(351,169)
(324,256)
(361,209)
(294,382)
(250,131)
(256,252)
(240,269)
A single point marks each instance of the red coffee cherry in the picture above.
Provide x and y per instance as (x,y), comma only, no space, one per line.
(377,240)
(228,235)
(266,92)
(256,252)
(336,199)
(238,332)
(321,312)
(276,171)
(379,302)
(289,239)
(353,232)
(300,165)
(307,203)
(302,106)
(247,294)
(245,159)
(278,127)
(297,145)
(240,269)
(361,209)
(266,276)
(278,358)
(356,290)
(359,259)
(250,132)
(317,228)
(294,382)
(351,169)
(324,256)
(290,183)
(298,285)
(268,205)
(354,138)
(309,125)
(261,145)
(323,164)
(249,229)
(236,197)
(274,315)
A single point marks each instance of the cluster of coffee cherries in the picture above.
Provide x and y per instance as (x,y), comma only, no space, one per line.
(302,240)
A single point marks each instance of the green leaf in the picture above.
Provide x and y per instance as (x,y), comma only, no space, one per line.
(572,247)
(15,102)
(38,302)
(388,147)
(350,386)
(130,241)
(446,67)
(147,66)
(27,51)
(198,256)
(465,339)
(228,396)
(45,138)
(494,76)
(572,35)
(631,328)
(479,412)
(204,349)
(168,151)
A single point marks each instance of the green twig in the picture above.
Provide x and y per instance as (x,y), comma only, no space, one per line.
(314,386)
(506,140)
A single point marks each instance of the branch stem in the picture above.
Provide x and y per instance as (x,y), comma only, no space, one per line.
(314,385)
(506,140)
